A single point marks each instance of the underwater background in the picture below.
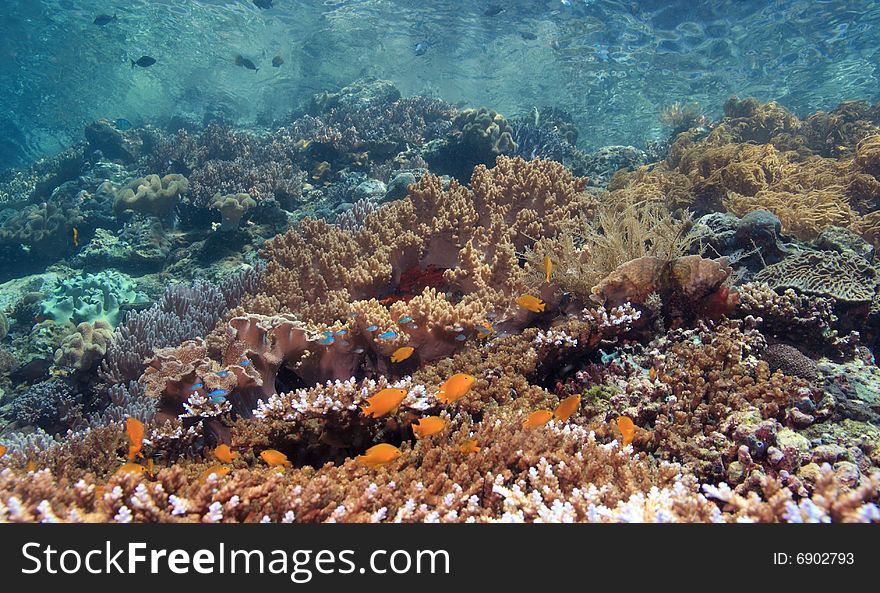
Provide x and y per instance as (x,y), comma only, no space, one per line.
(613,65)
(569,260)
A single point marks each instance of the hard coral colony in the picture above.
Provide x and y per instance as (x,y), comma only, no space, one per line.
(689,343)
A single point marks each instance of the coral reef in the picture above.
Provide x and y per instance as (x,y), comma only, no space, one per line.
(760,156)
(372,341)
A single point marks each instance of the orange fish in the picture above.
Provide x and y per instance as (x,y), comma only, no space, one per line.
(135,430)
(402,353)
(379,455)
(224,453)
(30,466)
(2,450)
(627,429)
(151,467)
(75,238)
(567,407)
(469,446)
(485,329)
(548,268)
(538,418)
(273,457)
(134,469)
(652,374)
(425,427)
(218,470)
(383,402)
(455,387)
(530,303)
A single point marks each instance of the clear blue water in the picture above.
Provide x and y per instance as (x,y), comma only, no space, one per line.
(612,64)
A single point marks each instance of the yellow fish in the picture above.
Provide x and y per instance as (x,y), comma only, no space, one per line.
(567,407)
(627,429)
(455,387)
(75,238)
(379,455)
(402,353)
(538,418)
(224,453)
(135,430)
(219,470)
(469,446)
(30,466)
(425,427)
(151,467)
(273,457)
(652,374)
(530,303)
(548,268)
(134,469)
(383,402)
(2,450)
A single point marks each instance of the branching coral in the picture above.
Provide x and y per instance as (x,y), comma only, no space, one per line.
(316,270)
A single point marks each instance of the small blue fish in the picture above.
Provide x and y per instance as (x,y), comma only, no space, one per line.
(218,393)
(420,48)
(327,340)
(244,363)
(404,319)
(341,332)
(460,338)
(389,335)
(372,328)
(222,373)
(198,386)
(123,124)
(218,399)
